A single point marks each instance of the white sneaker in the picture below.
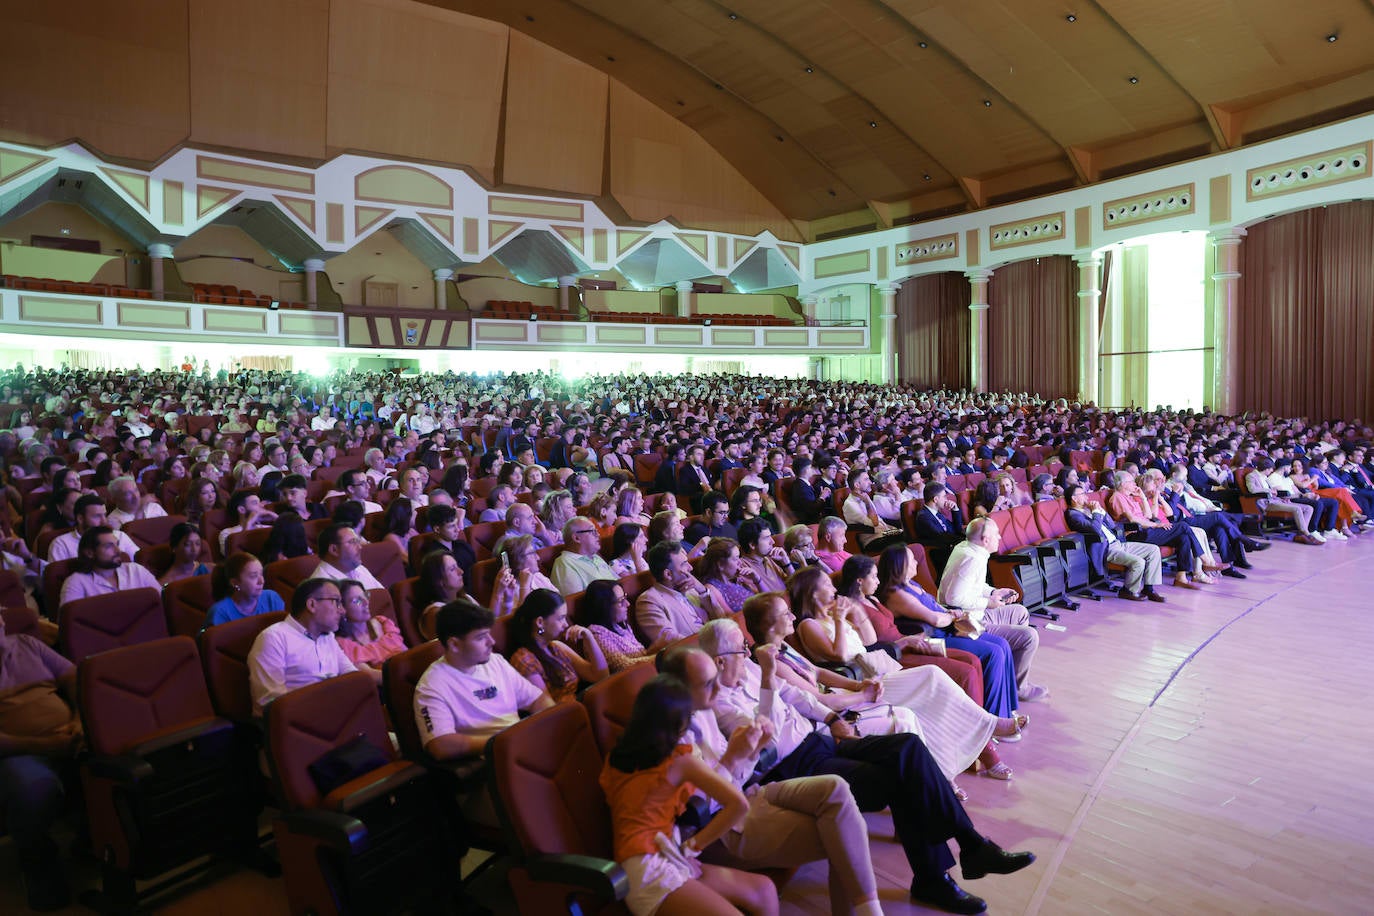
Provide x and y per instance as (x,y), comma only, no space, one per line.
(1316,536)
(1334,535)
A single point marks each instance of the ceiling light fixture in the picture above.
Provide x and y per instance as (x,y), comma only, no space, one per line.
(922,45)
(925,177)
(987,103)
(810,69)
(832,193)
(610,58)
(734,17)
(872,123)
(1333,37)
(529,18)
(1071,18)
(1133,79)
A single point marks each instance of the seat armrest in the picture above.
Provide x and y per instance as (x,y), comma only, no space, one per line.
(601,877)
(357,792)
(1014,559)
(195,730)
(124,769)
(341,832)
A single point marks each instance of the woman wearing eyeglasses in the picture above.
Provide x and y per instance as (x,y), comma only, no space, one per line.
(365,639)
(605,612)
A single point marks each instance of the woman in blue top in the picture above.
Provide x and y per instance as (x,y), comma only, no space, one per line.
(187,546)
(238,588)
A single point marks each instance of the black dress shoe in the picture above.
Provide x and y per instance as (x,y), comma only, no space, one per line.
(1156,597)
(991,859)
(1233,573)
(946,895)
(1257,545)
(1127,596)
(1243,564)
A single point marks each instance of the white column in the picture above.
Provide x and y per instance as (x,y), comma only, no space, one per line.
(684,298)
(565,288)
(1225,320)
(313,268)
(158,252)
(441,278)
(978,327)
(888,315)
(1089,327)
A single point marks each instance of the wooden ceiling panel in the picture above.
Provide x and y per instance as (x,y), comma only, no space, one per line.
(1054,86)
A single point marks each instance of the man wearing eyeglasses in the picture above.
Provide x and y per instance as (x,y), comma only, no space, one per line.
(301,649)
(715,520)
(580,562)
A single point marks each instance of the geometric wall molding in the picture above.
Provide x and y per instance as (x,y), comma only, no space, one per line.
(1141,208)
(932,249)
(1046,228)
(1348,163)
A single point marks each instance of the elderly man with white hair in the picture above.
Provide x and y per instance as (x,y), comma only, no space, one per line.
(130,504)
(964,587)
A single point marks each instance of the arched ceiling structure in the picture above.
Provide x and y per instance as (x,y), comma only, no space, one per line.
(857,114)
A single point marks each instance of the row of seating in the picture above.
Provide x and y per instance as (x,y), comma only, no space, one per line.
(49,285)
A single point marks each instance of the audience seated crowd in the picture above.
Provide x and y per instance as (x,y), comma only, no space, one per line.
(764,541)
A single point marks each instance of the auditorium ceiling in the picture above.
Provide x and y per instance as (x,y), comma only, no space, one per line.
(856,114)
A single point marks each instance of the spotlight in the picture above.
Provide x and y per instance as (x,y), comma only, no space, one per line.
(1332,37)
(1071,18)
(1133,79)
(987,103)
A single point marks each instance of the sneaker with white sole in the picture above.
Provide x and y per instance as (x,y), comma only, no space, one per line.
(1316,536)
(1334,535)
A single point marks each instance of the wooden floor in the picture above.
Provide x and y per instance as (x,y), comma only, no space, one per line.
(1209,755)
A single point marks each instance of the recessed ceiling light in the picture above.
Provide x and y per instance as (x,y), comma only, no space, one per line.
(925,177)
(1071,18)
(529,18)
(832,193)
(682,103)
(810,69)
(718,85)
(1332,37)
(777,137)
(734,16)
(1133,79)
(872,123)
(610,58)
(922,45)
(987,103)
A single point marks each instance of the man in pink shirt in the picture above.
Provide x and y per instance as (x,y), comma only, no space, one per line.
(101,570)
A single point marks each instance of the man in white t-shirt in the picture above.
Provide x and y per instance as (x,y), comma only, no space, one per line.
(468,695)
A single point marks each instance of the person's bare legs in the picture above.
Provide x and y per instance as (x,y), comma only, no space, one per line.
(698,897)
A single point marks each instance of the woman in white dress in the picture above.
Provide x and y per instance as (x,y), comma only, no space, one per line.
(832,628)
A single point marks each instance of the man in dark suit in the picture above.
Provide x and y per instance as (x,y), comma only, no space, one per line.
(805,504)
(665,480)
(692,480)
(1107,543)
(939,525)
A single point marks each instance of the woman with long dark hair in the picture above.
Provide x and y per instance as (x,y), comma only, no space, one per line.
(542,641)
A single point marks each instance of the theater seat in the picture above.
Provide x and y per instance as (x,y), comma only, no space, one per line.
(224,656)
(379,843)
(186,602)
(101,622)
(609,703)
(166,781)
(556,815)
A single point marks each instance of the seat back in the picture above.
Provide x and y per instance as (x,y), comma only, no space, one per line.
(146,532)
(12,592)
(925,572)
(251,541)
(610,702)
(129,694)
(224,655)
(483,535)
(400,674)
(386,561)
(20,620)
(305,724)
(54,574)
(1023,522)
(1049,518)
(282,576)
(407,612)
(186,602)
(101,622)
(551,803)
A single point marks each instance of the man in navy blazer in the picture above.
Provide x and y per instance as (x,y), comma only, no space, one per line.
(1108,544)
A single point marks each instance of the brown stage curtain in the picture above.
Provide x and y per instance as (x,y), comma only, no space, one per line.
(1306,313)
(932,331)
(1033,327)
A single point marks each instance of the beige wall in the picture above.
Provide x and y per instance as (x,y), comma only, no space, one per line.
(742,304)
(380,258)
(51,218)
(623,300)
(309,79)
(215,255)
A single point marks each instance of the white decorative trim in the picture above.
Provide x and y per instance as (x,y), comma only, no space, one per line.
(1045,228)
(932,249)
(1142,208)
(1348,163)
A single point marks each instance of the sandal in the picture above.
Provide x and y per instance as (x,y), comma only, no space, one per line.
(960,793)
(998,770)
(1018,721)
